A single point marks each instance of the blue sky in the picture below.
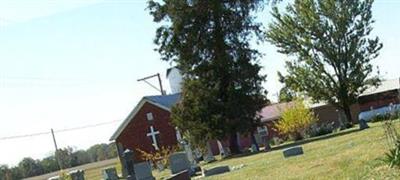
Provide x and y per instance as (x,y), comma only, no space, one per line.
(66,63)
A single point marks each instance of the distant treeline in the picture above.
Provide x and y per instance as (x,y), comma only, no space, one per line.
(68,157)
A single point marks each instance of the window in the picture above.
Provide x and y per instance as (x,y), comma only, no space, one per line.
(149,116)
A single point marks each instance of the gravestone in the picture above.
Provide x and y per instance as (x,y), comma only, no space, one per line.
(189,152)
(143,171)
(216,170)
(179,162)
(110,174)
(77,175)
(128,164)
(293,151)
(209,157)
(363,124)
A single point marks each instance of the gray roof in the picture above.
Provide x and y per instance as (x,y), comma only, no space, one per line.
(165,100)
(386,85)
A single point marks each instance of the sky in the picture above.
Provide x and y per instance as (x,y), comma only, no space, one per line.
(70,63)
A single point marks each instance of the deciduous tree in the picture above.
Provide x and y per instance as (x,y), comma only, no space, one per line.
(332,49)
(295,119)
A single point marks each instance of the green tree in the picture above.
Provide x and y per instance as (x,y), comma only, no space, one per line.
(331,43)
(209,41)
(65,157)
(30,167)
(295,119)
(49,164)
(286,94)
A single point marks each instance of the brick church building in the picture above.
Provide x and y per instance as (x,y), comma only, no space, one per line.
(148,128)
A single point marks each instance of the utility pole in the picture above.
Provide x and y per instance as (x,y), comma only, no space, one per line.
(159,81)
(55,146)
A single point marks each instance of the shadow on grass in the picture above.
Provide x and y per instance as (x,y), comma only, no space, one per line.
(296,143)
(313,139)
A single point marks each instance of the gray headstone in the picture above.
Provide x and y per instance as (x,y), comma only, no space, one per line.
(77,175)
(216,170)
(128,163)
(143,171)
(209,157)
(110,174)
(293,151)
(179,162)
(363,124)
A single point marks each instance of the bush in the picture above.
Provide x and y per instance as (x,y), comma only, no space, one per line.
(382,117)
(393,156)
(161,156)
(319,130)
(295,120)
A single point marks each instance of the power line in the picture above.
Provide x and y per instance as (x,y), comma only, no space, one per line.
(58,131)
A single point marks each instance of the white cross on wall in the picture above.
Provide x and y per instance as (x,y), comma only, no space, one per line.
(153,134)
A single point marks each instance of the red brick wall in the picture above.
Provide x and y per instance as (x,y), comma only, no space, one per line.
(134,136)
(378,100)
(328,113)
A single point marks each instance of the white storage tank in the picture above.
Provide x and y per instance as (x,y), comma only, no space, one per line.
(175,80)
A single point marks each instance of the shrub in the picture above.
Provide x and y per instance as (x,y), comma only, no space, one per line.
(295,120)
(63,175)
(160,155)
(393,156)
(319,130)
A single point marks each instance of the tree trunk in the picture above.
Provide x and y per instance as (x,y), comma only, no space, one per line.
(233,145)
(347,113)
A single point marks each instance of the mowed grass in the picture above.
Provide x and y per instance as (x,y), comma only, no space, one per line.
(345,155)
(356,155)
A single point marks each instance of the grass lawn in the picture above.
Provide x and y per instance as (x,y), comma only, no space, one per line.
(348,154)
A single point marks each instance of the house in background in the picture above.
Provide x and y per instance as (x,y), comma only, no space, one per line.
(376,100)
(326,114)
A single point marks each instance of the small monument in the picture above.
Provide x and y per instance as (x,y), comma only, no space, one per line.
(143,171)
(179,162)
(209,157)
(216,170)
(128,164)
(110,173)
(363,124)
(293,151)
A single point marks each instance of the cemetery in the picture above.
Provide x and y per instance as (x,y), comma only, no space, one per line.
(329,114)
(350,154)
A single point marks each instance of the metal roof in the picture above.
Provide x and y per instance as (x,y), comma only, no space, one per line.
(165,100)
(387,85)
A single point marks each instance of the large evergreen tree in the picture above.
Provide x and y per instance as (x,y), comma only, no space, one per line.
(330,40)
(209,41)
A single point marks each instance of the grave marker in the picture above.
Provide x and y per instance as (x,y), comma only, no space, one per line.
(143,171)
(179,162)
